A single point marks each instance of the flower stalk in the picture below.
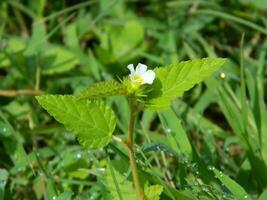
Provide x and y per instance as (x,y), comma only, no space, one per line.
(130,146)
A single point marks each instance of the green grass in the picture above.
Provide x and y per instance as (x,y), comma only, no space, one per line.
(212,142)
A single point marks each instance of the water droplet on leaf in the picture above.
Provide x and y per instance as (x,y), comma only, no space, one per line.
(78,155)
(221,174)
(168,130)
(222,75)
(211,168)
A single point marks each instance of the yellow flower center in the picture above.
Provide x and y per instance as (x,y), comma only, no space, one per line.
(138,79)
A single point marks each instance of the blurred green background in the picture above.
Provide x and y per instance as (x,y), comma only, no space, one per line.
(63,46)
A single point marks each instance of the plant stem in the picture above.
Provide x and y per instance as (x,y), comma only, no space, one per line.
(38,75)
(11,93)
(130,145)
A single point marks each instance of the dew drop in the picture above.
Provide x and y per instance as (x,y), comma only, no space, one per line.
(168,130)
(54,198)
(246,197)
(222,75)
(78,156)
(102,170)
(211,168)
(221,174)
(138,161)
(3,129)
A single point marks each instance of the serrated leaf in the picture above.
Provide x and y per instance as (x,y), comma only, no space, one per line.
(153,192)
(103,89)
(172,81)
(92,121)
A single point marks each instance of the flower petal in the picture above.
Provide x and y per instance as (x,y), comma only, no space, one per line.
(131,77)
(140,69)
(149,76)
(131,68)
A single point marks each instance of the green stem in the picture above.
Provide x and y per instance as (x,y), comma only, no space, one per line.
(22,23)
(130,145)
(38,75)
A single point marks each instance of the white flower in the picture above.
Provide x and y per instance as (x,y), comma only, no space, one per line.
(141,75)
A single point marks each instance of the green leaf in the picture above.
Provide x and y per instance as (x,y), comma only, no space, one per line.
(175,133)
(259,4)
(64,196)
(172,81)
(37,40)
(12,52)
(13,144)
(197,121)
(103,89)
(119,187)
(263,195)
(121,43)
(3,180)
(153,192)
(92,121)
(57,60)
(125,41)
(232,186)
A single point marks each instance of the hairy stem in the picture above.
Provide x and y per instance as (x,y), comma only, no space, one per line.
(130,145)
